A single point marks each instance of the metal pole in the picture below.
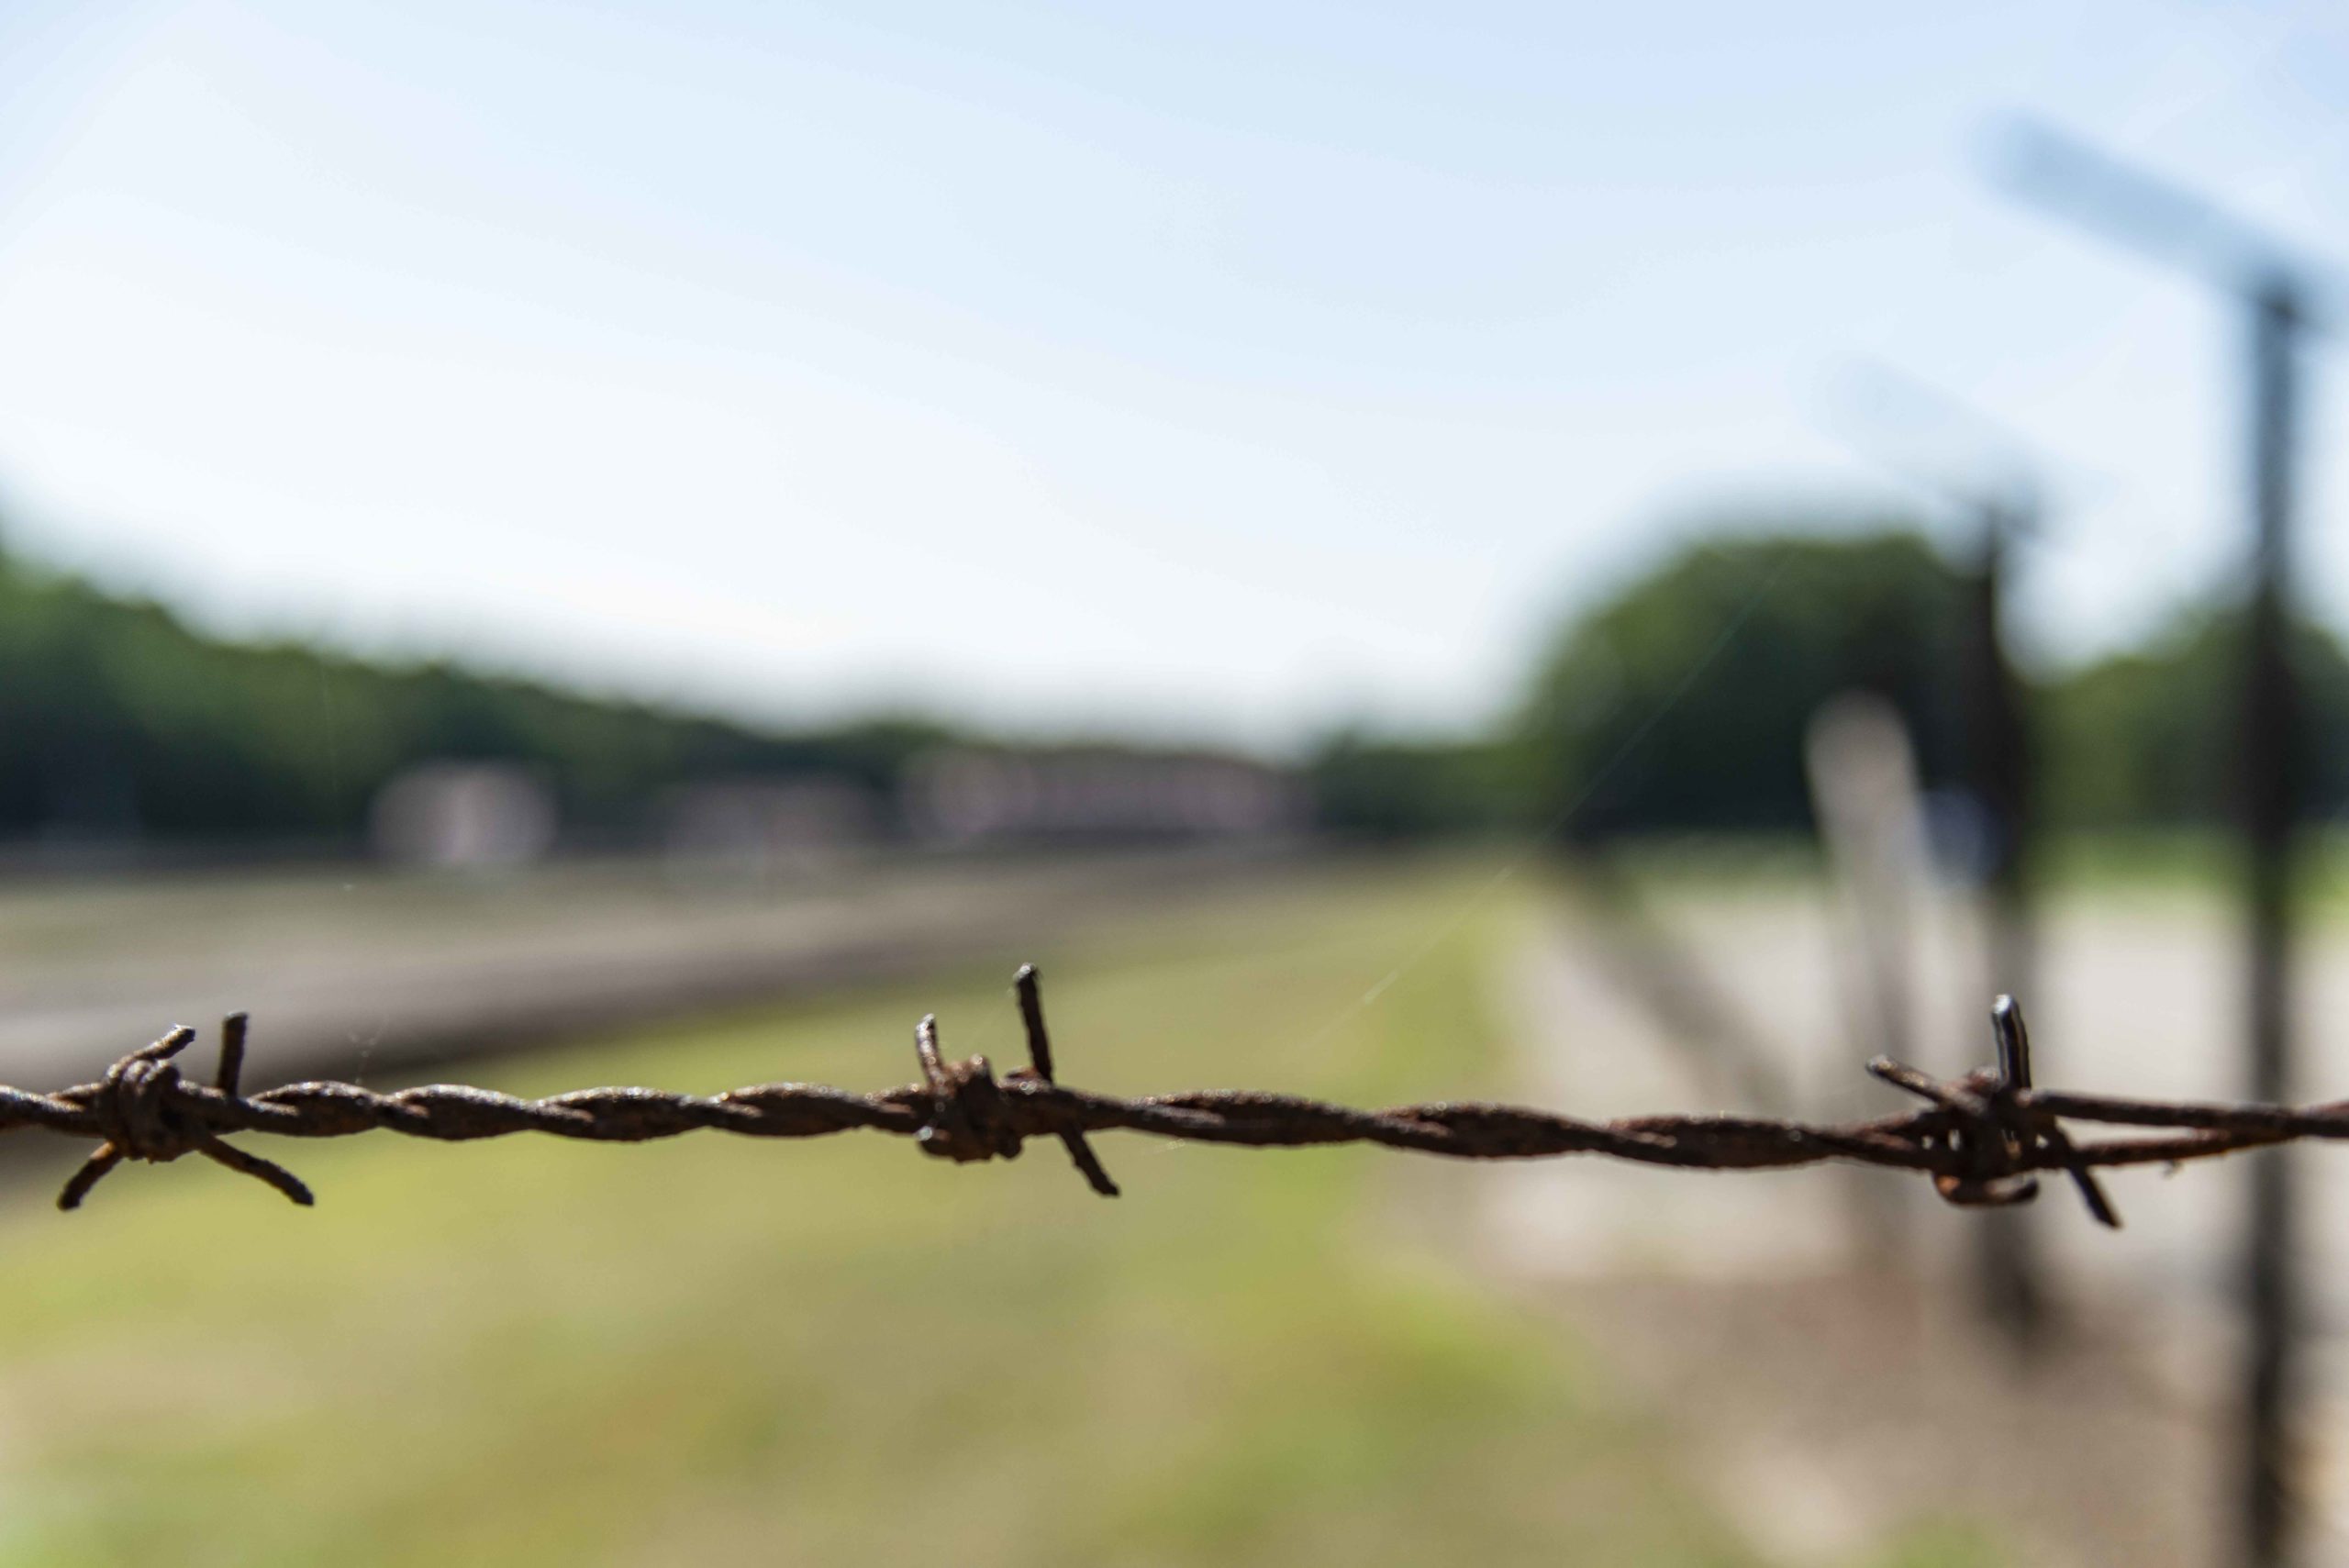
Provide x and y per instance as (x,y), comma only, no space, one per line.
(2157,217)
(2008,1261)
(2270,789)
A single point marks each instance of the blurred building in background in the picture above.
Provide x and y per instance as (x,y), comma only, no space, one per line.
(975,796)
(463,815)
(753,830)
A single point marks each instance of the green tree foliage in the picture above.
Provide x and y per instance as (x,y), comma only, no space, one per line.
(2148,737)
(1682,702)
(1372,788)
(1678,703)
(1697,681)
(118,718)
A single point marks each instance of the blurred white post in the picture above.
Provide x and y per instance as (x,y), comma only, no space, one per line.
(1864,795)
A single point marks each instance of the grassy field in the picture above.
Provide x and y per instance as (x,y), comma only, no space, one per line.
(836,1352)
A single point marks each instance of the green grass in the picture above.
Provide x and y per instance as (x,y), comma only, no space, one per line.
(839,1353)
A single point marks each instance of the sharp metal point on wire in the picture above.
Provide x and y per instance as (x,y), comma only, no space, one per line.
(1040,1067)
(2014,1074)
(2014,1042)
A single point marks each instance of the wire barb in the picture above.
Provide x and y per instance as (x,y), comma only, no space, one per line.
(141,1106)
(1982,1138)
(968,1120)
(1997,1135)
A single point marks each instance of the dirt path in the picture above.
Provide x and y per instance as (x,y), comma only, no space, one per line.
(1809,1331)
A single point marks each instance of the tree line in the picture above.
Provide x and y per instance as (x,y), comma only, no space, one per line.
(1680,702)
(121,721)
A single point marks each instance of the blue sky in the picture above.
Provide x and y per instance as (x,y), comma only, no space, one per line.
(1215,369)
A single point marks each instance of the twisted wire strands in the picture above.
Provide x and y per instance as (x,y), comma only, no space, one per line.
(1981,1137)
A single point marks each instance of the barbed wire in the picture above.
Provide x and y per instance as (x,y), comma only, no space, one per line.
(1983,1139)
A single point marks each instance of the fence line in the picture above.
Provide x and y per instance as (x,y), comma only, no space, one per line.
(1980,1138)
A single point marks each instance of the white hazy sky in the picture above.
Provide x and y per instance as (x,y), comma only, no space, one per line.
(1220,369)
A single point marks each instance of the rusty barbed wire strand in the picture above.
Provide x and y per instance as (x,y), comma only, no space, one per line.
(1982,1138)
